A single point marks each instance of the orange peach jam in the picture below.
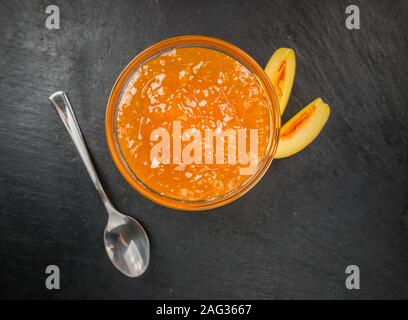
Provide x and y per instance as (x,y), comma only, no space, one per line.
(196,89)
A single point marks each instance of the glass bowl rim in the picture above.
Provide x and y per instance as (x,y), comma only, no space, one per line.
(151,52)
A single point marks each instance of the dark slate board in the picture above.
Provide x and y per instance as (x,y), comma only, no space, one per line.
(342,201)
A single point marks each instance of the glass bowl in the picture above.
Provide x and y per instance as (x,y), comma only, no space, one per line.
(156,50)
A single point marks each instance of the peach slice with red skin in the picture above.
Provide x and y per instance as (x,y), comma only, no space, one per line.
(281,69)
(302,129)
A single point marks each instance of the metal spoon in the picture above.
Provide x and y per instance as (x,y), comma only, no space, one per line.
(125,239)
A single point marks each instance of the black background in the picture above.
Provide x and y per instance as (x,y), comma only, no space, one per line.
(342,201)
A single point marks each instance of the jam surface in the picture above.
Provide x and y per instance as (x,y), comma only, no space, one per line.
(195,89)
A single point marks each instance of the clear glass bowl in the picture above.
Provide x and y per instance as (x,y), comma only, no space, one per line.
(156,50)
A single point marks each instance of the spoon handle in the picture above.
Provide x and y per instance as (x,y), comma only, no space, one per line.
(64,109)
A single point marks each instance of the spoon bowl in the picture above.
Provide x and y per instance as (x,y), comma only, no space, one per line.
(127,244)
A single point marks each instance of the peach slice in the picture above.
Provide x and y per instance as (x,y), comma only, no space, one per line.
(281,71)
(302,129)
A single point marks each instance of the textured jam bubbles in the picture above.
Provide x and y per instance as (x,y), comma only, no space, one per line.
(193,123)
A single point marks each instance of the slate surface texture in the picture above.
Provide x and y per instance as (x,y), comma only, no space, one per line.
(342,201)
